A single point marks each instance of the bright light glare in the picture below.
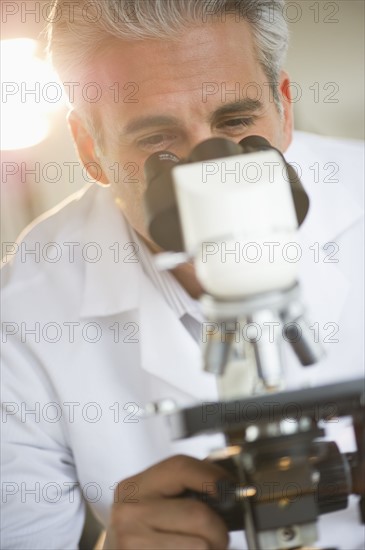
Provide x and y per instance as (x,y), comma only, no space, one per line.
(30,92)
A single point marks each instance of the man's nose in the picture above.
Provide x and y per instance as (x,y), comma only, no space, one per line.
(197,135)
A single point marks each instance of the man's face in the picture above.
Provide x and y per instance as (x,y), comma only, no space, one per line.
(171,95)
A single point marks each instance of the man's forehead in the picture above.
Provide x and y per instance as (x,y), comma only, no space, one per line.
(196,50)
(176,81)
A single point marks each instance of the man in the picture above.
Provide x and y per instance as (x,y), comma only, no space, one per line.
(101,332)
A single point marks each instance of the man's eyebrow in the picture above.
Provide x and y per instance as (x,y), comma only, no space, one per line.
(146,122)
(246,105)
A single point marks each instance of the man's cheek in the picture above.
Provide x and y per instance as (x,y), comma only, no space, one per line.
(124,174)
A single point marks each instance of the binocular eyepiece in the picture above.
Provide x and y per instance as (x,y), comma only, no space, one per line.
(160,198)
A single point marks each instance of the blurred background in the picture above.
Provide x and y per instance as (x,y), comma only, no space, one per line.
(39,164)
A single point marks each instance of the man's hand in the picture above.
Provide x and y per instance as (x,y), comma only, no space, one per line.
(148,513)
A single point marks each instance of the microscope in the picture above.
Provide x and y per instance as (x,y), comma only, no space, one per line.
(234,210)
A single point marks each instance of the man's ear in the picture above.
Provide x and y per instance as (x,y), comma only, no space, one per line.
(85,146)
(288,115)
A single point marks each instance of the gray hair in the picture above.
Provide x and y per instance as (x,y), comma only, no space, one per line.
(77,35)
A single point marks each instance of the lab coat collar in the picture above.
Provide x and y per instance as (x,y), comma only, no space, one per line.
(111,284)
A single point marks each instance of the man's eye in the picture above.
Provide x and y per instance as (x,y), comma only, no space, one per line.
(235,123)
(156,141)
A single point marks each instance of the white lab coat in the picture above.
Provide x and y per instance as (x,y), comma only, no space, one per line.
(129,348)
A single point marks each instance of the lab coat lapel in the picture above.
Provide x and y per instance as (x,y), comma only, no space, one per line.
(113,287)
(111,284)
(167,349)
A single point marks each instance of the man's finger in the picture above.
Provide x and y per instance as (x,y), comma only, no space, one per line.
(172,477)
(178,516)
